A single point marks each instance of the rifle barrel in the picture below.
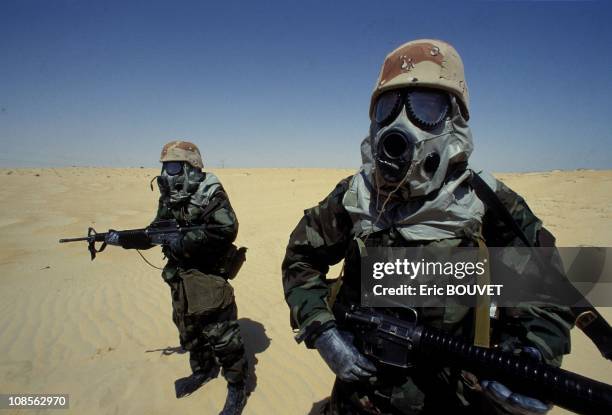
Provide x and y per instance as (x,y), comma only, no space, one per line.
(64,240)
(563,388)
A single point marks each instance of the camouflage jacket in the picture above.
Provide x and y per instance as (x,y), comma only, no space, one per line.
(201,249)
(323,237)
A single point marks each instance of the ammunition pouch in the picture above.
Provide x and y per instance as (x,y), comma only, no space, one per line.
(231,262)
(169,274)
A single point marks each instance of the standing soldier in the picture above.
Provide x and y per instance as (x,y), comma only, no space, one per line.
(199,265)
(414,188)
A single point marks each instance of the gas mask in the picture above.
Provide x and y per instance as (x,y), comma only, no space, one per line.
(178,181)
(416,135)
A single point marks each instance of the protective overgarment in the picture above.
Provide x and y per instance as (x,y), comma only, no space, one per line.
(429,202)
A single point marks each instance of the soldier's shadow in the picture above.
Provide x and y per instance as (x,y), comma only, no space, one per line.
(167,351)
(255,341)
(320,407)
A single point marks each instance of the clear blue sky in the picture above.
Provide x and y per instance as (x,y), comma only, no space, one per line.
(287,84)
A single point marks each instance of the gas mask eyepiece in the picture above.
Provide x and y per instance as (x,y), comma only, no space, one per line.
(426,108)
(172,168)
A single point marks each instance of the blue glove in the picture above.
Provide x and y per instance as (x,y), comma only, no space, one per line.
(173,246)
(342,357)
(511,402)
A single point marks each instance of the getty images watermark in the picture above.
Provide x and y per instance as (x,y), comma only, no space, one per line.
(434,276)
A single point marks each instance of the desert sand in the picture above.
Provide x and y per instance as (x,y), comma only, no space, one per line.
(102,332)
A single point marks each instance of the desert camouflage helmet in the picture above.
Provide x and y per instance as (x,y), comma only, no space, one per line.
(182,151)
(425,63)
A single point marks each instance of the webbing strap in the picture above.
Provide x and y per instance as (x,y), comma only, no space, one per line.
(482,319)
(488,196)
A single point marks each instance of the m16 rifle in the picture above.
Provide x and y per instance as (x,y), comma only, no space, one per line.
(400,343)
(160,232)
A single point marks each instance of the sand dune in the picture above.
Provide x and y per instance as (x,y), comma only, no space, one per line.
(101,331)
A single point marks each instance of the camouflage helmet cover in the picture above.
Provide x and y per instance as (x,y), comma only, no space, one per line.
(182,151)
(426,63)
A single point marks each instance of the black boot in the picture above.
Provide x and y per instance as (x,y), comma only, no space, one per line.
(236,399)
(187,385)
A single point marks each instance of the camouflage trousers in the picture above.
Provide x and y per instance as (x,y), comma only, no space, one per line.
(212,338)
(433,391)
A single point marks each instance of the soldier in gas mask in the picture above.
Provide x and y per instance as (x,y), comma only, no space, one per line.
(199,264)
(413,189)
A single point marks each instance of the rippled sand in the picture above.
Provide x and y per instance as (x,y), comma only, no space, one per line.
(98,330)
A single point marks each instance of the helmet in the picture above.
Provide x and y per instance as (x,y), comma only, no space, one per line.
(182,151)
(426,63)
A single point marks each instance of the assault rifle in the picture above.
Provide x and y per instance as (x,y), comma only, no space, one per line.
(160,232)
(402,343)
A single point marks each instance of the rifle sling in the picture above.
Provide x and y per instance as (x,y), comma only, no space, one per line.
(588,319)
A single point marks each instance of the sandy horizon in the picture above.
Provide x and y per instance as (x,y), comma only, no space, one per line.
(102,332)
